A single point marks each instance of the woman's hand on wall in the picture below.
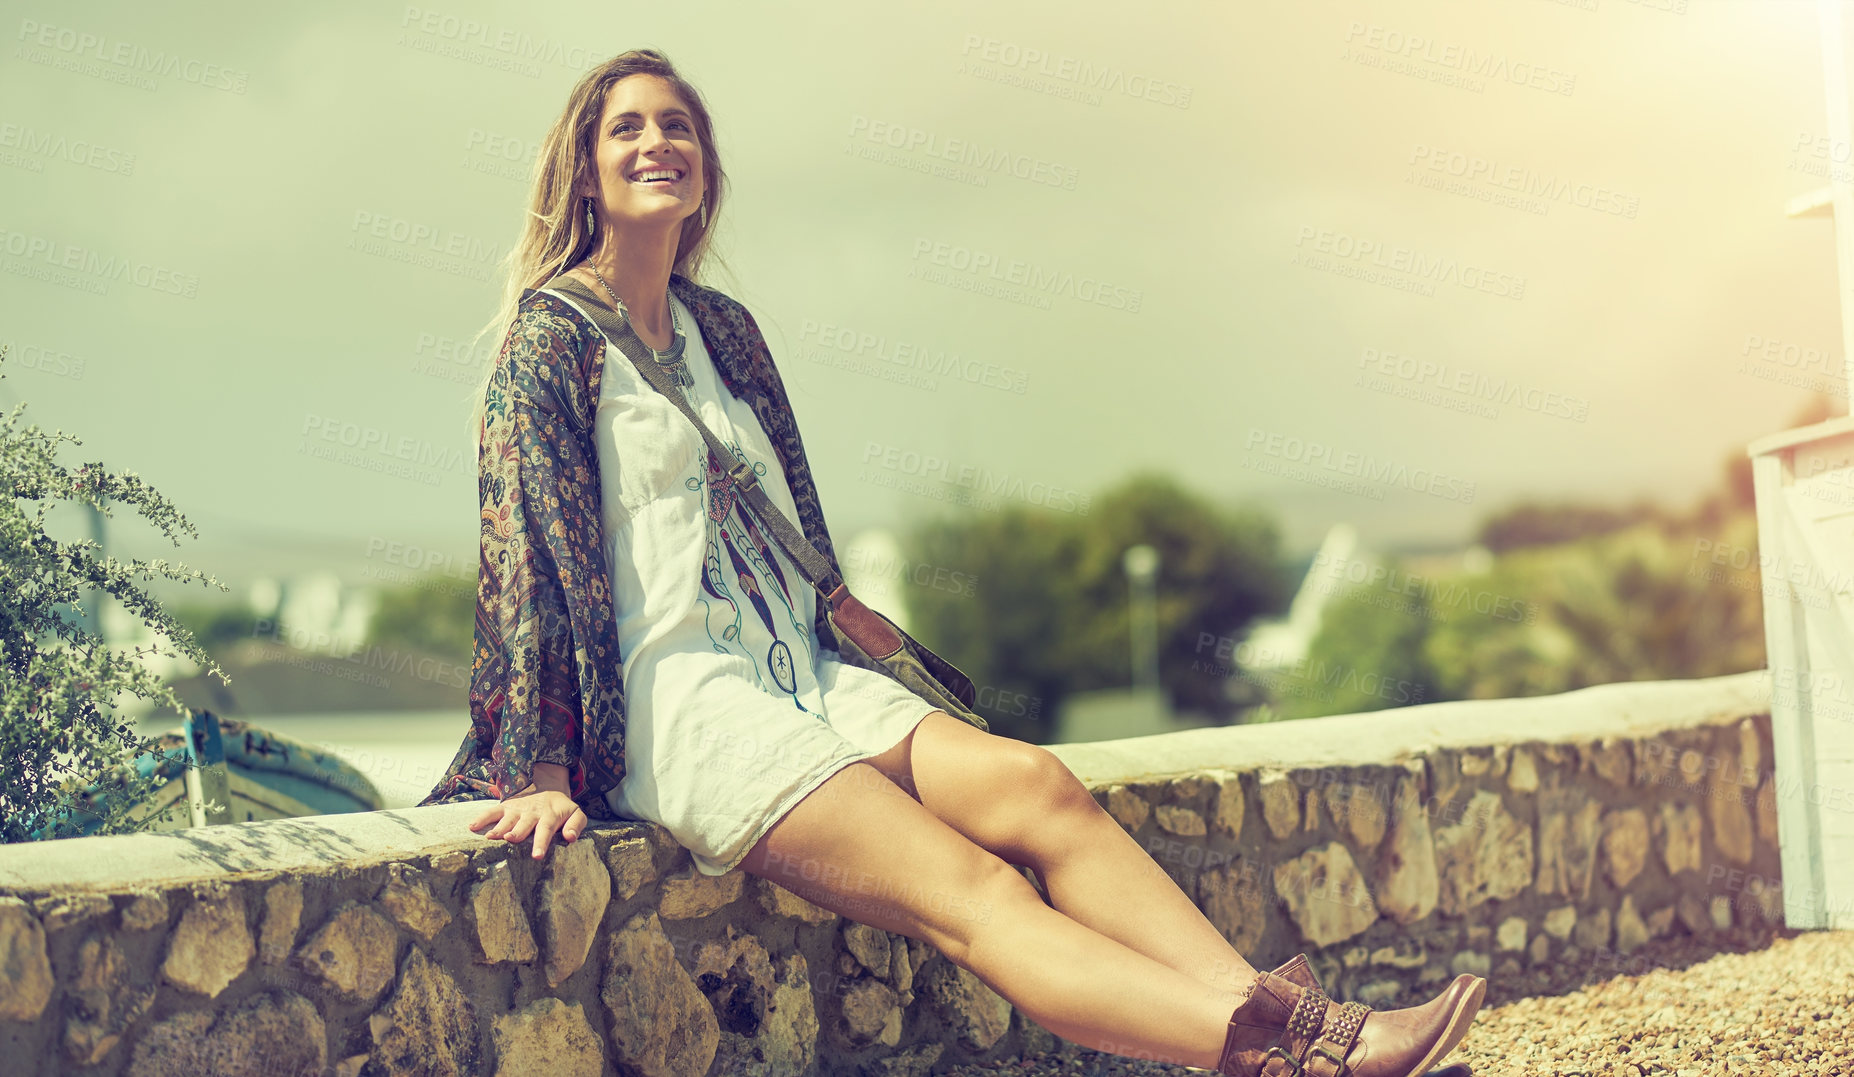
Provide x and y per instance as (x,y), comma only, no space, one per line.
(539,810)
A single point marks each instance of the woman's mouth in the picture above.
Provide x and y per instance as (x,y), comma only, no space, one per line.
(657,177)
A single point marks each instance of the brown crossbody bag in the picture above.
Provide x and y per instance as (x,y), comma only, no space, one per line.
(870,634)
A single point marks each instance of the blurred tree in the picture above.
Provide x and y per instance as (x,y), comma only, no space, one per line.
(1545,524)
(1050,614)
(1637,605)
(217,627)
(1368,655)
(436,615)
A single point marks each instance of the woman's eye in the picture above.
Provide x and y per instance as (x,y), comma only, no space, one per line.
(624,125)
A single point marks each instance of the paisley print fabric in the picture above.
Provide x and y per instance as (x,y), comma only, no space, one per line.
(546,683)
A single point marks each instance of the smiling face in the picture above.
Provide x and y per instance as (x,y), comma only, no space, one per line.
(648,157)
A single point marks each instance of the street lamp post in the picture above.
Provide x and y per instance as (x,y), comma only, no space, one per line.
(1142,567)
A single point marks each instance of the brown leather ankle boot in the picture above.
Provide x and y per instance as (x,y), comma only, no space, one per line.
(1286,1026)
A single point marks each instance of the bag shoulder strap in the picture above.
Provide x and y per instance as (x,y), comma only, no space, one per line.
(618,332)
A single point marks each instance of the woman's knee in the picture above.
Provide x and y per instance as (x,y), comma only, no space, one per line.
(880,858)
(1029,791)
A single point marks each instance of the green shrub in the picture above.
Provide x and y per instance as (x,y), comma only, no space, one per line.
(60,730)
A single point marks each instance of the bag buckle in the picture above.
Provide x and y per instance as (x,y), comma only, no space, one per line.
(742,474)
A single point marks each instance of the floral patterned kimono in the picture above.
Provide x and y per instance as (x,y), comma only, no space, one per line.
(546,685)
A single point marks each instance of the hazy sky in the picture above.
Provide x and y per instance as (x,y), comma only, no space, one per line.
(1266,246)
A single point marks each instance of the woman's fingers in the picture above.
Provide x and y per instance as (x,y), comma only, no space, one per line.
(538,816)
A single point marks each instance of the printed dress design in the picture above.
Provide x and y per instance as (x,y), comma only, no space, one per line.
(737,553)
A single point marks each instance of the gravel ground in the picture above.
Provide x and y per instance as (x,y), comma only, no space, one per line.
(1758,1003)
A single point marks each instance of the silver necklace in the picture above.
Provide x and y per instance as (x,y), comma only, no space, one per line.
(669,359)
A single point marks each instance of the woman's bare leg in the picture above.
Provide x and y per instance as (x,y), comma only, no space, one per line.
(1019,802)
(859,846)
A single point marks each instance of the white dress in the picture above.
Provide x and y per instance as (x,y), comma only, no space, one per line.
(733,713)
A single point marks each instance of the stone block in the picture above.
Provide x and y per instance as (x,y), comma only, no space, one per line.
(104,1000)
(1128,808)
(352,953)
(1625,845)
(427,1028)
(1231,898)
(1280,804)
(282,917)
(25,970)
(574,897)
(1680,827)
(1487,856)
(976,1016)
(1230,805)
(503,931)
(409,902)
(1408,886)
(691,893)
(276,1033)
(1631,929)
(1182,821)
(211,946)
(1325,894)
(547,1038)
(659,1023)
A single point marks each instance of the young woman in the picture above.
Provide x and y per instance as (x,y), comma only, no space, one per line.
(608,529)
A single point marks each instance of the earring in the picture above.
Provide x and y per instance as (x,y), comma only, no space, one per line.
(592,224)
(704,213)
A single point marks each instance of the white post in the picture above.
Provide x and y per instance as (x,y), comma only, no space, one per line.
(1142,567)
(1840,182)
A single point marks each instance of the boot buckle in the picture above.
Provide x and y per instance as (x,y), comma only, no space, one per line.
(1275,1052)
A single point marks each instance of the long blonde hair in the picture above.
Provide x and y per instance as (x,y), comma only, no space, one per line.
(554,237)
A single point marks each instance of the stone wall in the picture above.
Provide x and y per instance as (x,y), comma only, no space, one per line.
(1397,848)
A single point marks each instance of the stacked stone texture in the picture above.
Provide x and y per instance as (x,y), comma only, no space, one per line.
(615,955)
